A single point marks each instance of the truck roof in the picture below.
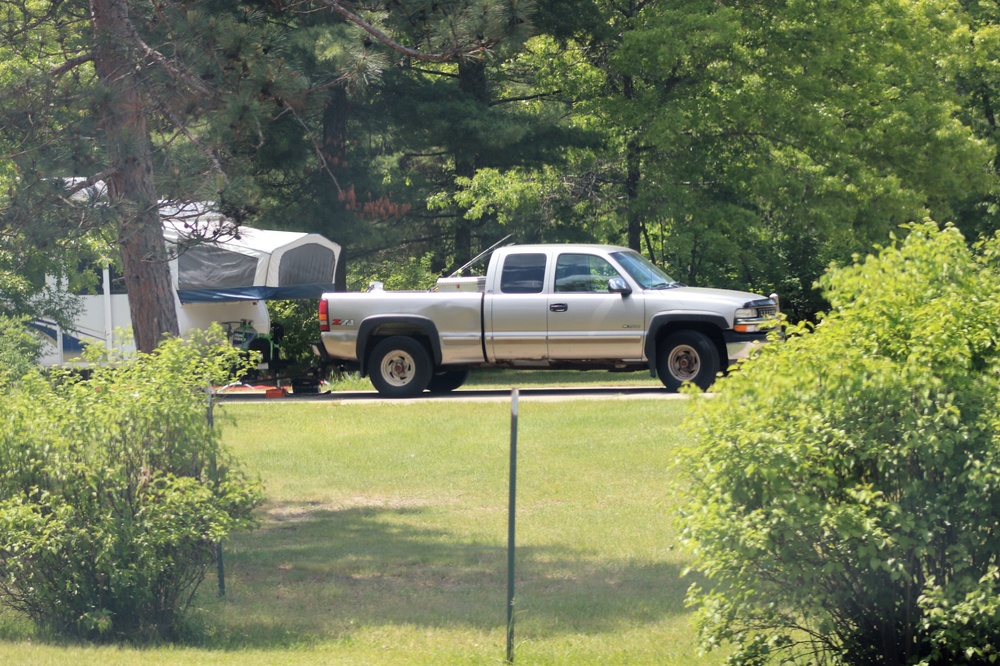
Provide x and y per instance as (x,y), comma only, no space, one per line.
(563,247)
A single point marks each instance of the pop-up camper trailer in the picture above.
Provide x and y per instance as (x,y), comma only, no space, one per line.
(225,281)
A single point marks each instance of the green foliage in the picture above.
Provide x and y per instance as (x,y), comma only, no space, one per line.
(411,131)
(778,137)
(740,144)
(19,350)
(396,273)
(113,491)
(845,482)
(300,320)
(217,77)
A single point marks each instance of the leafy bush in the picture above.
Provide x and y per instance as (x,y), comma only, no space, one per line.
(113,491)
(845,483)
(19,349)
(394,272)
(300,320)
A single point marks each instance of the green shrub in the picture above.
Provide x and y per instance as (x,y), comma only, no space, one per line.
(113,491)
(19,349)
(300,319)
(845,483)
(394,272)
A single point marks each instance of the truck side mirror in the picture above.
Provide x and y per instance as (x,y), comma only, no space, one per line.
(617,285)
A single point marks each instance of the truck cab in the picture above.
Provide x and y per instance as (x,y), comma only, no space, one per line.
(593,304)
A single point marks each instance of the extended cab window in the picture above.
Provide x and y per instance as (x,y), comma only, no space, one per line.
(583,273)
(523,274)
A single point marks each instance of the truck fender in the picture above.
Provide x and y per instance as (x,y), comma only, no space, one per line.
(677,321)
(411,325)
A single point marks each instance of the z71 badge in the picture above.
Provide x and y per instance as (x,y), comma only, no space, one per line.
(341,322)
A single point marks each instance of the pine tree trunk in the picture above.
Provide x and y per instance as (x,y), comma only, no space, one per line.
(132,188)
(472,81)
(633,172)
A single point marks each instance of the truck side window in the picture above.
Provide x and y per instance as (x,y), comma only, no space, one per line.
(523,274)
(583,273)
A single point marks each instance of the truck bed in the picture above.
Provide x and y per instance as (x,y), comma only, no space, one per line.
(457,317)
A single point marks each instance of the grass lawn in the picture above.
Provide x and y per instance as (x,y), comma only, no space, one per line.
(383,541)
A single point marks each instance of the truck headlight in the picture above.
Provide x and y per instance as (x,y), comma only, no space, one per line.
(753,320)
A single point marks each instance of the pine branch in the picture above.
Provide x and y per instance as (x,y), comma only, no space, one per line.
(178,73)
(72,63)
(317,148)
(338,7)
(527,98)
(206,150)
(90,182)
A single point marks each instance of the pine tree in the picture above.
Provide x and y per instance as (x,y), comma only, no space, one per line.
(406,112)
(130,182)
(90,103)
(163,102)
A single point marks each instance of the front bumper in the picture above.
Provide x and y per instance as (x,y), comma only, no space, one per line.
(740,345)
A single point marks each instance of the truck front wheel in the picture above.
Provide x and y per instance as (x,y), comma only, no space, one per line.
(687,356)
(400,367)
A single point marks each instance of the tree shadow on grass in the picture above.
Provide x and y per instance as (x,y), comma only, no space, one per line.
(320,574)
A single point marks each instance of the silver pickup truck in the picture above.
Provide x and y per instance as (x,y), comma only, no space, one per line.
(543,306)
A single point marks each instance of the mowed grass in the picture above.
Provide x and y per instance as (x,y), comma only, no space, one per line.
(383,540)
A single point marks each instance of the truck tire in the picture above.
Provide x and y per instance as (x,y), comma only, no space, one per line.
(687,356)
(399,367)
(447,380)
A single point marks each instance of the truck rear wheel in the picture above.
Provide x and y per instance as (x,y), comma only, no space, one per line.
(447,380)
(687,356)
(399,367)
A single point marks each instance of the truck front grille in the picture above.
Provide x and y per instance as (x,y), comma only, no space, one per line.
(767,312)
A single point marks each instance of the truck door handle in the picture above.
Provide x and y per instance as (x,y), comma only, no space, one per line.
(558,307)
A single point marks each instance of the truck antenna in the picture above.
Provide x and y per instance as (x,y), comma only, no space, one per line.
(480,255)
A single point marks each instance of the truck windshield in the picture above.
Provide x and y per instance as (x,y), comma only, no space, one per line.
(644,271)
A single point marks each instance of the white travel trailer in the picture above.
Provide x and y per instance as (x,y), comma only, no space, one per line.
(226,281)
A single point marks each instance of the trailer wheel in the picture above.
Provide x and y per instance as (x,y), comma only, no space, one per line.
(400,367)
(447,380)
(687,356)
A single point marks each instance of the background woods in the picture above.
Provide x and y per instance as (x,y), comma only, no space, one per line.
(736,143)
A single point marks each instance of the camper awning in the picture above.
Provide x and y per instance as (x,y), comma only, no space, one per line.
(291,293)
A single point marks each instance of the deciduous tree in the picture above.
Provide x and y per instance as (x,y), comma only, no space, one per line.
(844,483)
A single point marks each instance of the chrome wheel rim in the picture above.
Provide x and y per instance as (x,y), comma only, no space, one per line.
(398,368)
(684,363)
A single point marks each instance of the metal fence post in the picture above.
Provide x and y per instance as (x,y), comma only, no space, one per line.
(214,472)
(510,525)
